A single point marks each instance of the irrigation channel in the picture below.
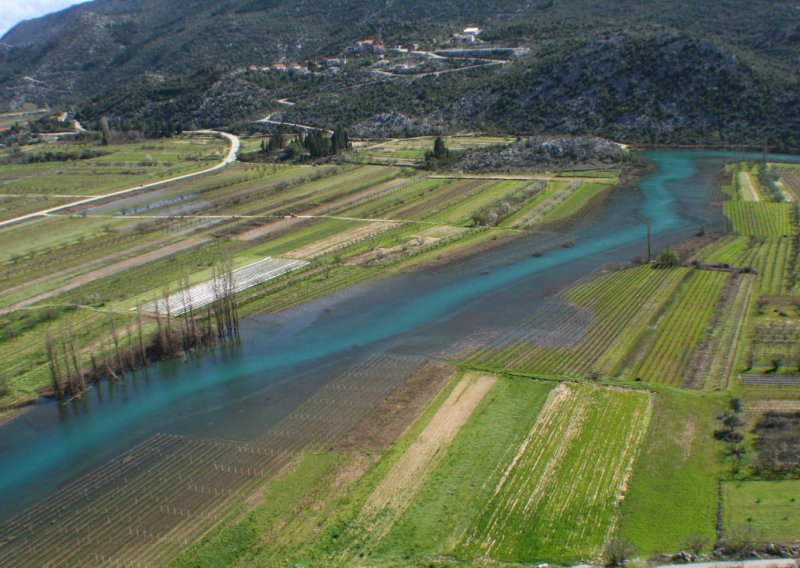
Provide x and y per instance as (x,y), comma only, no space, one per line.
(126,472)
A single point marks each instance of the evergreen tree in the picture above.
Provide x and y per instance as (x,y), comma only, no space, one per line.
(440,150)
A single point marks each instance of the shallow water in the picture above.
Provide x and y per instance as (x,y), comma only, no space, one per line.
(238,392)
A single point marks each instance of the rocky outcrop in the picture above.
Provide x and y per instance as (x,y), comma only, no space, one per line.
(541,150)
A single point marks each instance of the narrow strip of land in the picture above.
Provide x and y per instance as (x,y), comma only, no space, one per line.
(230,157)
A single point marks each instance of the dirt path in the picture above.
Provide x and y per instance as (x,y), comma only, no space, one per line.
(749,191)
(396,491)
(108,271)
(230,157)
(268,120)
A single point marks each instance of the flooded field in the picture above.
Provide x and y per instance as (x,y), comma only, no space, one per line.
(185,439)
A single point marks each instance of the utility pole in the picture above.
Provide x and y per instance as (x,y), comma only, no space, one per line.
(649,239)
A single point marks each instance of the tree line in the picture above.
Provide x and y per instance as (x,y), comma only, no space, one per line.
(132,347)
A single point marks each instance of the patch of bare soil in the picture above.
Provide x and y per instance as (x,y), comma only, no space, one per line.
(402,483)
(386,422)
(344,238)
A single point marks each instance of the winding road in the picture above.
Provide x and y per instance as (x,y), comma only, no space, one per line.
(230,157)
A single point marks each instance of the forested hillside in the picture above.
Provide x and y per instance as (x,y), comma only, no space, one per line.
(673,71)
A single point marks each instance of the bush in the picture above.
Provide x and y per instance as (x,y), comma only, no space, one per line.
(668,257)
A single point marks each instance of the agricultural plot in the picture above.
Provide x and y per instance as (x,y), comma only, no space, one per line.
(409,151)
(790,178)
(611,313)
(673,492)
(535,470)
(399,487)
(765,397)
(749,186)
(664,356)
(115,167)
(769,220)
(774,264)
(162,495)
(241,279)
(775,345)
(559,200)
(467,474)
(493,195)
(557,499)
(731,250)
(579,200)
(766,510)
(718,360)
(772,259)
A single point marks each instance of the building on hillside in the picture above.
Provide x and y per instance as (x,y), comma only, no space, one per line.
(469,35)
(334,62)
(369,46)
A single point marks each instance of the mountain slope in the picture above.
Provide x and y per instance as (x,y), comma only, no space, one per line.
(673,70)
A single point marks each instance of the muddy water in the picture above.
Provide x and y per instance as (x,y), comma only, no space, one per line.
(240,391)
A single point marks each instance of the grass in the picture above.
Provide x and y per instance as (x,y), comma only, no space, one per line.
(235,541)
(768,509)
(673,492)
(447,503)
(576,202)
(557,499)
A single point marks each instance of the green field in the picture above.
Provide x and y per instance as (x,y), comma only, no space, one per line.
(769,220)
(768,509)
(665,354)
(533,461)
(622,303)
(673,492)
(557,498)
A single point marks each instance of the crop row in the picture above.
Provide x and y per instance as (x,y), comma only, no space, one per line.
(162,494)
(726,341)
(558,497)
(762,219)
(665,355)
(773,263)
(622,303)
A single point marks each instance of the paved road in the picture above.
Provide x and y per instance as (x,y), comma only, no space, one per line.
(230,157)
